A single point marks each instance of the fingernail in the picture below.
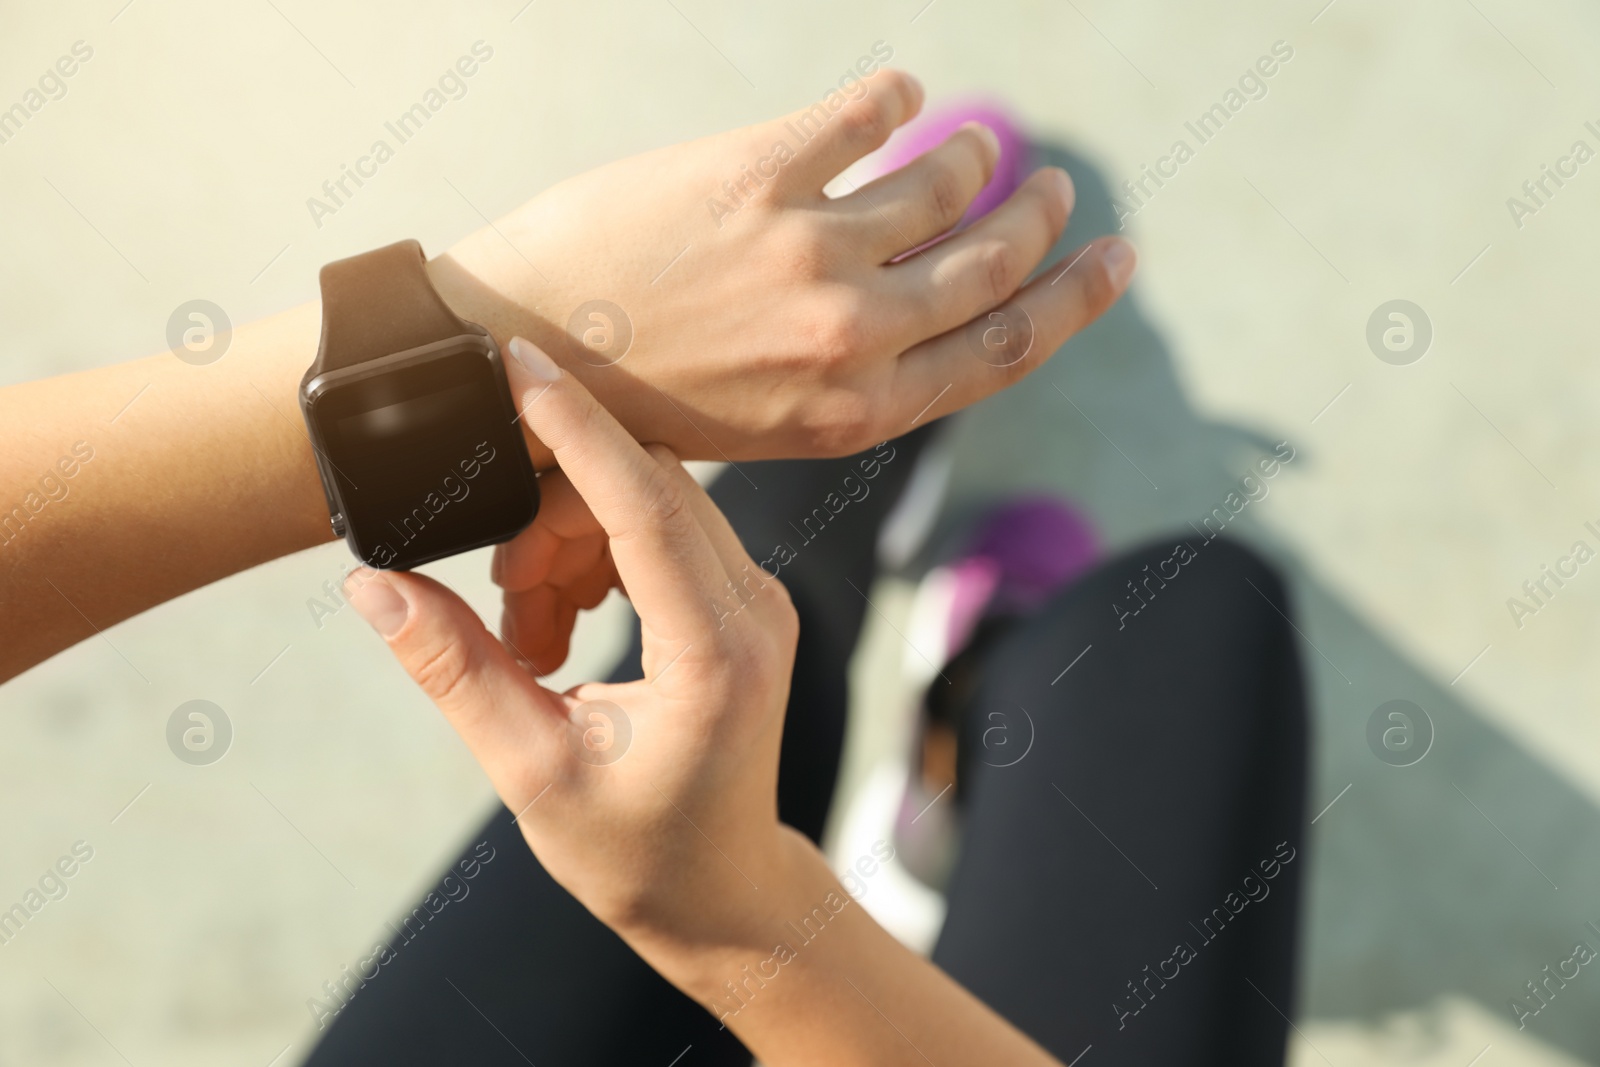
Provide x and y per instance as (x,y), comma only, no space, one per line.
(497,564)
(532,357)
(1120,259)
(990,138)
(378,602)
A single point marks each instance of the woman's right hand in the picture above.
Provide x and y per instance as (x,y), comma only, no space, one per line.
(653,802)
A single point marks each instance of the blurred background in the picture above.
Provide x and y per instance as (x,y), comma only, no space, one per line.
(1434,474)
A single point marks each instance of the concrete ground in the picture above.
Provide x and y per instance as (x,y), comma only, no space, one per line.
(1376,166)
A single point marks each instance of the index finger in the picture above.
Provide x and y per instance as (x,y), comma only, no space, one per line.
(839,129)
(663,556)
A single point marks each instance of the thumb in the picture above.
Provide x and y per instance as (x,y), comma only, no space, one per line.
(503,715)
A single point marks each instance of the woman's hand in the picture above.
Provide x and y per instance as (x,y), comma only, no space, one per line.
(653,802)
(782,328)
(773,321)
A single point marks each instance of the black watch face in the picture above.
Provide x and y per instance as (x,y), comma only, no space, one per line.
(428,456)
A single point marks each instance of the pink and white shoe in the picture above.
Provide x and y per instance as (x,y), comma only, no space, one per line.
(1021,555)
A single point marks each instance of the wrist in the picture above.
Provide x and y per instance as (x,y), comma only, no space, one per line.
(478,291)
(741,931)
(272,358)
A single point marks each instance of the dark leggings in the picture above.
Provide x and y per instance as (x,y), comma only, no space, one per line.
(1130,887)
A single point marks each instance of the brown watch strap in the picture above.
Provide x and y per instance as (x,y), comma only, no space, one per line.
(379,303)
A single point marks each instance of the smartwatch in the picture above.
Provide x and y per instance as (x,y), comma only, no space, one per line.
(411,419)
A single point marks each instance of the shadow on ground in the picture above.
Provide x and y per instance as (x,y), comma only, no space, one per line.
(1427,881)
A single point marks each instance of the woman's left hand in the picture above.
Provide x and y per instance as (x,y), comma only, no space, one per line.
(558,566)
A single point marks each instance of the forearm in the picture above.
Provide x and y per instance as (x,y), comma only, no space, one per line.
(179,475)
(813,979)
(128,485)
